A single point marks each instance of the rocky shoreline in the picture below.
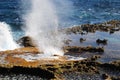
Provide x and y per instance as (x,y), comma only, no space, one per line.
(53,69)
(110,26)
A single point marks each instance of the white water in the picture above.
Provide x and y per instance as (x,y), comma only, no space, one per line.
(33,57)
(42,26)
(6,39)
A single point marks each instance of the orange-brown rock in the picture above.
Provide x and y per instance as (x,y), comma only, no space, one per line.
(32,50)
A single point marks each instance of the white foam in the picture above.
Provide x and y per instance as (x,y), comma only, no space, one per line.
(6,39)
(32,57)
(75,58)
(42,25)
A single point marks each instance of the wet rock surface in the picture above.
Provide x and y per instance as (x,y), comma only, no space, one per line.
(26,41)
(77,49)
(62,68)
(52,69)
(82,40)
(110,26)
(99,41)
(105,76)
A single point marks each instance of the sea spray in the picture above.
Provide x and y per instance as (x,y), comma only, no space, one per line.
(6,39)
(42,25)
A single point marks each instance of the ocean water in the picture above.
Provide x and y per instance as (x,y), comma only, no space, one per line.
(80,11)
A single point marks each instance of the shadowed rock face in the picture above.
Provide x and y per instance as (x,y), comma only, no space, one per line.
(31,71)
(82,40)
(26,41)
(99,41)
(112,65)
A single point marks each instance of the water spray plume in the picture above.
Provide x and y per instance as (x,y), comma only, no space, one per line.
(42,26)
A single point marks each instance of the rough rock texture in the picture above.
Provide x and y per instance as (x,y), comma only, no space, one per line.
(33,50)
(82,40)
(99,41)
(76,49)
(26,41)
(51,67)
(106,77)
(110,26)
(112,65)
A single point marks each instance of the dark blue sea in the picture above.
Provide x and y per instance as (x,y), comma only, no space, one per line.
(80,11)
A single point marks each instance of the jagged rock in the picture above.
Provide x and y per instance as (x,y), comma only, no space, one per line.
(51,67)
(26,41)
(95,57)
(112,65)
(115,77)
(99,41)
(110,26)
(82,40)
(111,32)
(76,49)
(113,22)
(106,77)
(54,67)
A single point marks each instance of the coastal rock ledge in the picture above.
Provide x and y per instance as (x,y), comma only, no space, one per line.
(49,68)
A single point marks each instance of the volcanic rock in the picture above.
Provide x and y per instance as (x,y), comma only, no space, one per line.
(77,49)
(51,67)
(110,26)
(99,41)
(112,65)
(26,41)
(106,77)
(82,40)
(115,77)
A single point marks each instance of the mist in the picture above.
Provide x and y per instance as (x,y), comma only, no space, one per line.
(42,23)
